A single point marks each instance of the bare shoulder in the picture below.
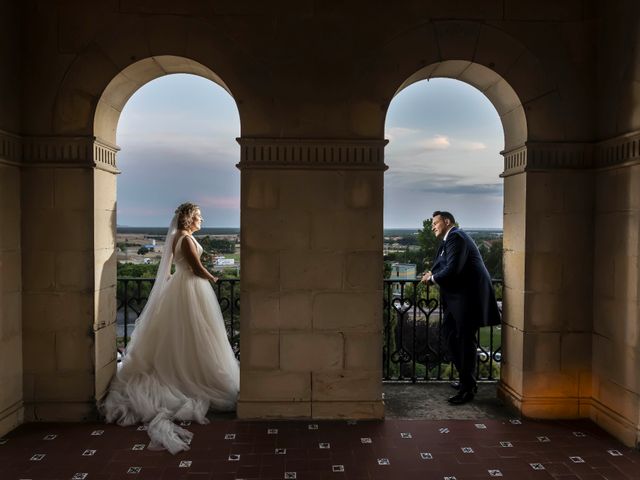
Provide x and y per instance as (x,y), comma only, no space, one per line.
(184,245)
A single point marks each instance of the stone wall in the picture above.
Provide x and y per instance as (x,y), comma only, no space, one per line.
(11,406)
(616,307)
(616,289)
(313,82)
(540,51)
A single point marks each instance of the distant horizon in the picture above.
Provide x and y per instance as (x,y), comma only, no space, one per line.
(118,227)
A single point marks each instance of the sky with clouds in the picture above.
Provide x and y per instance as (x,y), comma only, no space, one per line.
(177,137)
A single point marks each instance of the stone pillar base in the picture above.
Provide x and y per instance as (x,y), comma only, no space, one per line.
(250,410)
(61,412)
(11,417)
(544,407)
(349,410)
(573,407)
(320,410)
(614,423)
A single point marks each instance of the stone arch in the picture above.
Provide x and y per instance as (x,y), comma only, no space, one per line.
(131,52)
(497,90)
(107,113)
(529,106)
(129,80)
(498,64)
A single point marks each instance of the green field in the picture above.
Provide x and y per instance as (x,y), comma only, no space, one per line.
(485,334)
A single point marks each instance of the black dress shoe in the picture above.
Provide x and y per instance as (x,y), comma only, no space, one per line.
(456,386)
(461,397)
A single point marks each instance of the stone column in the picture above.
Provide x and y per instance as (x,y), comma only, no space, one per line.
(68,236)
(11,399)
(616,292)
(548,242)
(311,240)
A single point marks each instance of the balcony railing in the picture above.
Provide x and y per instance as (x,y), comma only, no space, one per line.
(132,295)
(413,348)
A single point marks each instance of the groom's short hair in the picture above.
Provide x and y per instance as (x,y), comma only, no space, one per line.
(445,216)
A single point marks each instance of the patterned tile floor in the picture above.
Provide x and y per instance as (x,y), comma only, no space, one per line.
(391,449)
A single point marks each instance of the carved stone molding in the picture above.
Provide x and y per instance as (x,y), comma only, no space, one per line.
(59,152)
(515,161)
(548,156)
(104,155)
(10,148)
(563,156)
(618,151)
(623,150)
(311,154)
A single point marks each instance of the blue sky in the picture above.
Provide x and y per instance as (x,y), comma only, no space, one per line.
(177,136)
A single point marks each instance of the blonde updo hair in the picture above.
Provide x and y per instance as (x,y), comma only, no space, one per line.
(186,215)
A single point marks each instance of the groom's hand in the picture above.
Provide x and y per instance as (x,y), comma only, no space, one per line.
(426,277)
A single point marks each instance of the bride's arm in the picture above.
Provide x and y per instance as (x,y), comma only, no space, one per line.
(190,252)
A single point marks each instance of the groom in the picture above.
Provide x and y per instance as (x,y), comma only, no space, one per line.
(467,298)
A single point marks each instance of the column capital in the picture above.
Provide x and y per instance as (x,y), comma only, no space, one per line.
(622,150)
(545,156)
(311,153)
(58,152)
(69,152)
(10,148)
(619,151)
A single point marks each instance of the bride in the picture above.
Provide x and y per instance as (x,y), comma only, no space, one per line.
(179,362)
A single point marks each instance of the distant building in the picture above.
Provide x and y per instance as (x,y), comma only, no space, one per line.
(221,261)
(403,271)
(388,248)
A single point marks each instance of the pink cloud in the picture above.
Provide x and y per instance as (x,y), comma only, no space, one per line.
(438,142)
(224,203)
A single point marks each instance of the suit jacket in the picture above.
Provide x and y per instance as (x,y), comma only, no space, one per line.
(465,285)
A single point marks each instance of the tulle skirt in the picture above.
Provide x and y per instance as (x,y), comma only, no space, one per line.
(178,364)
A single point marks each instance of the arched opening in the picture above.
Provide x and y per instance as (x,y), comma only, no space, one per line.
(447,126)
(177,143)
(132,78)
(501,95)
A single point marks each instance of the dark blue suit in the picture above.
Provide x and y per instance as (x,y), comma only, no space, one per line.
(467,298)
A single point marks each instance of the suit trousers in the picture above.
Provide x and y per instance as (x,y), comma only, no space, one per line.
(461,342)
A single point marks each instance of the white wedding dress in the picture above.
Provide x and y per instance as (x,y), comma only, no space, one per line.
(179,362)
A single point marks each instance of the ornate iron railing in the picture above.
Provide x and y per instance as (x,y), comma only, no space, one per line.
(414,349)
(132,295)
